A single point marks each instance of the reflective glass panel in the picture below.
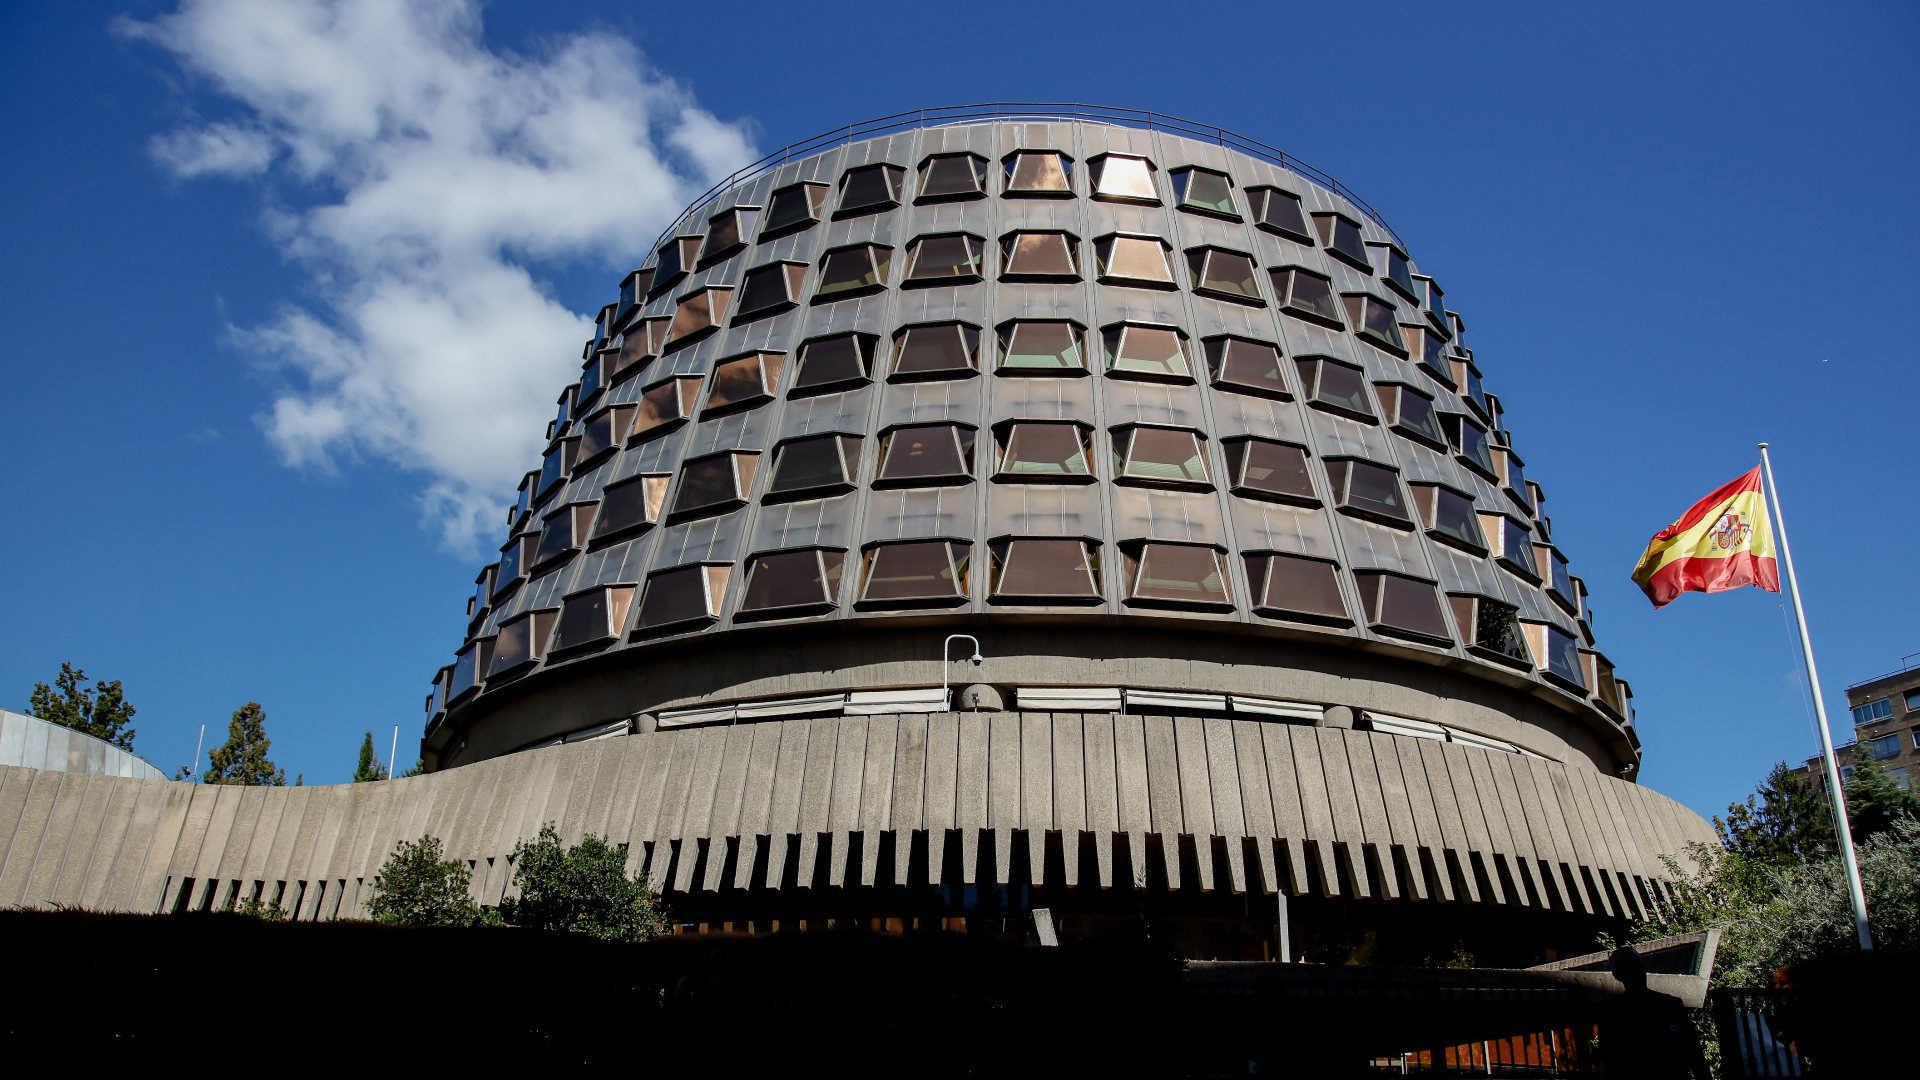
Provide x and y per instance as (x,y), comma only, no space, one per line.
(677,596)
(1039,172)
(1402,603)
(1147,350)
(468,665)
(663,405)
(1278,211)
(1224,273)
(1043,345)
(1400,274)
(1472,445)
(769,288)
(592,616)
(815,463)
(944,258)
(1039,254)
(728,231)
(915,570)
(699,313)
(561,535)
(1045,449)
(852,270)
(1563,656)
(1305,292)
(518,643)
(1492,626)
(1341,235)
(1454,516)
(1045,569)
(795,206)
(512,563)
(870,187)
(1414,414)
(1289,583)
(604,431)
(1135,259)
(1203,189)
(1560,579)
(1372,318)
(744,380)
(1245,365)
(792,579)
(553,471)
(629,505)
(833,361)
(706,483)
(1264,467)
(1362,485)
(1120,176)
(1165,455)
(947,176)
(925,452)
(1339,385)
(1179,573)
(1516,548)
(945,348)
(672,262)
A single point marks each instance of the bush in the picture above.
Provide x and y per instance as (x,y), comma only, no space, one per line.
(418,886)
(583,889)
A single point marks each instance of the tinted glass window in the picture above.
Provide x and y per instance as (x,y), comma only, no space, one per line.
(1045,569)
(936,259)
(664,405)
(1264,467)
(1331,383)
(1372,318)
(728,231)
(1560,580)
(1135,260)
(1147,350)
(468,665)
(1247,366)
(512,564)
(553,470)
(853,270)
(1402,603)
(770,288)
(1516,548)
(833,361)
(1039,172)
(1453,516)
(1400,275)
(1413,413)
(1341,236)
(1563,656)
(1118,176)
(1364,486)
(674,256)
(1294,585)
(563,533)
(1491,626)
(682,595)
(1164,455)
(1039,254)
(947,176)
(629,505)
(916,570)
(744,380)
(519,642)
(699,313)
(591,617)
(1179,573)
(1304,292)
(795,206)
(1516,480)
(819,463)
(1045,449)
(792,579)
(1223,273)
(1472,445)
(925,452)
(604,431)
(707,483)
(870,187)
(1205,190)
(942,349)
(1042,345)
(1278,211)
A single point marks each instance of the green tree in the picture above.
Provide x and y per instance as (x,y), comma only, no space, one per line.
(369,766)
(243,758)
(583,889)
(1874,800)
(419,768)
(101,712)
(1783,821)
(419,886)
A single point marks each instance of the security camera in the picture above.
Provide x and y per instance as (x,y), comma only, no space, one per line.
(976,658)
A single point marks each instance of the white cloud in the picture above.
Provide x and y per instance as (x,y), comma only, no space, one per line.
(431,179)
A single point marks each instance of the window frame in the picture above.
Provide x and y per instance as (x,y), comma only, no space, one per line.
(817,208)
(976,245)
(1373,604)
(1544,640)
(923,171)
(714,579)
(1000,552)
(1311,386)
(1215,350)
(832,581)
(965,447)
(1009,243)
(1007,332)
(1392,339)
(1096,173)
(1260,589)
(1104,248)
(1284,296)
(743,466)
(1333,243)
(959,557)
(743,234)
(1175,176)
(1198,272)
(618,600)
(771,365)
(539,624)
(682,390)
(1455,425)
(1393,258)
(1340,486)
(1009,165)
(1006,431)
(718,299)
(879,261)
(803,386)
(575,520)
(1237,451)
(904,334)
(1113,343)
(1468,609)
(845,443)
(793,286)
(1427,519)
(1392,397)
(1123,440)
(1134,558)
(653,488)
(896,187)
(667,272)
(1257,211)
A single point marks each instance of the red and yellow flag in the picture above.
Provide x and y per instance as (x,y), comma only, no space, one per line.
(1721,543)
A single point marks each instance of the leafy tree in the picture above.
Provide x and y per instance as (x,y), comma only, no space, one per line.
(1874,800)
(369,767)
(583,889)
(264,910)
(243,758)
(419,768)
(101,712)
(419,886)
(1784,820)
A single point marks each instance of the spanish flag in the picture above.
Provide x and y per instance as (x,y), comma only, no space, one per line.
(1721,543)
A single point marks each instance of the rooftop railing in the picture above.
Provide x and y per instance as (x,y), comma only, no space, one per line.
(1906,665)
(1033,112)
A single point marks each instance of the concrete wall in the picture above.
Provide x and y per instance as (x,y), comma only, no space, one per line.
(1279,805)
(33,743)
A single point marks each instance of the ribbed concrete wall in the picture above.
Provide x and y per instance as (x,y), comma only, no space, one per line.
(1376,815)
(33,743)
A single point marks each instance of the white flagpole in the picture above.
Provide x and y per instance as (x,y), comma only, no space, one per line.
(393,755)
(1847,859)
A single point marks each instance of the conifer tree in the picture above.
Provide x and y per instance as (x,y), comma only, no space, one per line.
(101,712)
(243,758)
(368,767)
(1874,799)
(1785,820)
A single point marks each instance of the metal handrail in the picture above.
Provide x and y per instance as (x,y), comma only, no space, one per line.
(1033,111)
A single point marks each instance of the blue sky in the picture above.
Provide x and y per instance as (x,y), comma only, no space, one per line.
(266,262)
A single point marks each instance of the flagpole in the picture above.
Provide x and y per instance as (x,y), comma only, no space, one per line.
(1847,859)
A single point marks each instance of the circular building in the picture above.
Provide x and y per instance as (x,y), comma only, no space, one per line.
(981,510)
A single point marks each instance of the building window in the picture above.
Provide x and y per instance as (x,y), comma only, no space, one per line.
(1124,178)
(664,406)
(948,259)
(1204,191)
(1472,390)
(514,559)
(1279,211)
(1559,581)
(1031,347)
(554,466)
(834,363)
(870,188)
(1372,320)
(603,432)
(914,573)
(1411,413)
(1228,275)
(714,484)
(684,594)
(1246,366)
(1046,256)
(1469,441)
(1434,303)
(593,617)
(1045,450)
(482,591)
(1448,516)
(1397,272)
(727,232)
(676,255)
(1189,575)
(1340,235)
(564,415)
(1133,260)
(641,343)
(1402,606)
(1368,490)
(794,207)
(590,385)
(1307,295)
(630,506)
(1606,687)
(1879,709)
(1264,469)
(1431,348)
(1044,571)
(523,505)
(922,455)
(1153,352)
(565,533)
(1163,457)
(1491,629)
(1333,385)
(952,176)
(633,291)
(814,467)
(1296,587)
(792,582)
(852,271)
(698,314)
(1913,701)
(1557,654)
(768,289)
(743,382)
(936,351)
(1038,172)
(469,668)
(521,642)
